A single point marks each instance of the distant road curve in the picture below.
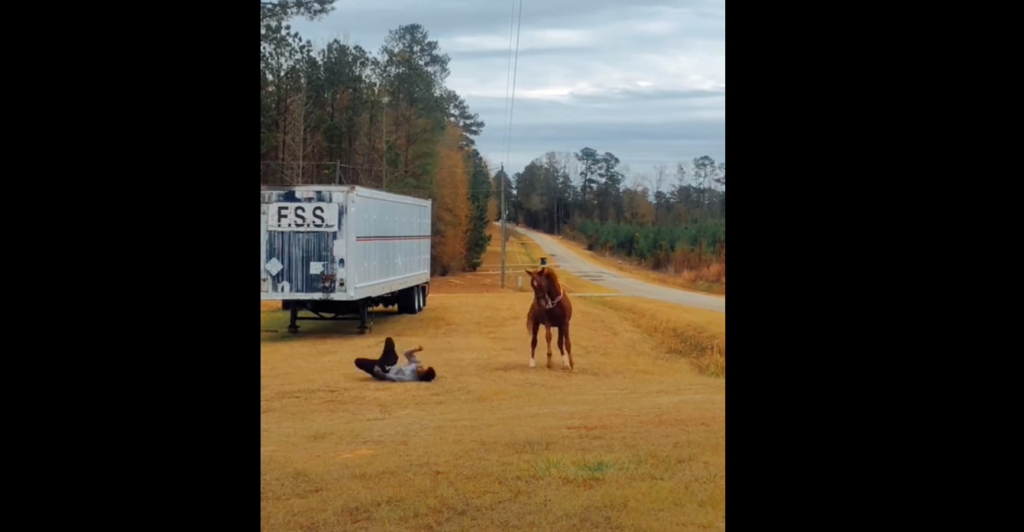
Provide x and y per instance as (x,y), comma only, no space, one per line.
(618,281)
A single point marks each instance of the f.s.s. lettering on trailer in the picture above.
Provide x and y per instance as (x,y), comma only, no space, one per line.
(303,217)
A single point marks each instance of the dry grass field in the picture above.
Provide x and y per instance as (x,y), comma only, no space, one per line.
(633,439)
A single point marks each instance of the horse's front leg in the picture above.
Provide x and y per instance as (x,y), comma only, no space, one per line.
(533,343)
(547,336)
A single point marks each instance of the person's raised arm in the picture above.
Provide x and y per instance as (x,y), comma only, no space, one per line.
(411,357)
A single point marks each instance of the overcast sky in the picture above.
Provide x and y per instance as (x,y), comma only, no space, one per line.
(643,79)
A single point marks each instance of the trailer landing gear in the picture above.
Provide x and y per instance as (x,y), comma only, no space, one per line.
(292,326)
(365,317)
(331,311)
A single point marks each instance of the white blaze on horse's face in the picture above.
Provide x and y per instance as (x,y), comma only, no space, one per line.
(538,288)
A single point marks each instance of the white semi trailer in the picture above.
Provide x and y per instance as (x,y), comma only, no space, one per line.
(336,252)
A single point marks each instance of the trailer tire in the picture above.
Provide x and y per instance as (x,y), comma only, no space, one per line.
(402,299)
(408,303)
(424,290)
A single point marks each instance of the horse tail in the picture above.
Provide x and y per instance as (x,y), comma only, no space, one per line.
(529,321)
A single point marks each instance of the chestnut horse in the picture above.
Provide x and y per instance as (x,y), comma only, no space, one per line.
(550,308)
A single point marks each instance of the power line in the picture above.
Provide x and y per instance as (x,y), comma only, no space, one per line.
(510,103)
(502,209)
(508,78)
(515,70)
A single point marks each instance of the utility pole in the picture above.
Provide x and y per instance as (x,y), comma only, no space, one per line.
(504,214)
(554,210)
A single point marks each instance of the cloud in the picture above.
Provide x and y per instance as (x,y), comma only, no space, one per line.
(644,80)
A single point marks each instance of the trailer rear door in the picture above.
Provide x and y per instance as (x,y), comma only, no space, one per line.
(299,248)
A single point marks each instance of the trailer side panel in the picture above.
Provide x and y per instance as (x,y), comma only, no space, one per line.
(391,242)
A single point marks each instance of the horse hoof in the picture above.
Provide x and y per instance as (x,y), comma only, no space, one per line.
(533,364)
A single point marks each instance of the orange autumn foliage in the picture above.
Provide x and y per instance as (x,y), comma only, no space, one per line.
(492,209)
(450,216)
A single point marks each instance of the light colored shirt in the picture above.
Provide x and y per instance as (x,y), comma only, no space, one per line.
(404,373)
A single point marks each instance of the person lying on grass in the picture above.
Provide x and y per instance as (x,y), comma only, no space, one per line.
(388,358)
(385,368)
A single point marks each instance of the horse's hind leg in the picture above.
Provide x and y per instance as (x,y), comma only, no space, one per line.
(547,336)
(533,342)
(562,339)
(564,330)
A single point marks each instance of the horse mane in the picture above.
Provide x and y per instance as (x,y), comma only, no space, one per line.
(552,278)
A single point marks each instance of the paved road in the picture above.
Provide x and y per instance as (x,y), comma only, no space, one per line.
(617,281)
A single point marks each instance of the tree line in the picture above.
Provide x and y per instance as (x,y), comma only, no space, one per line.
(667,220)
(341,114)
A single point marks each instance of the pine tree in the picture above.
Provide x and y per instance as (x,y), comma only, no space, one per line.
(479,196)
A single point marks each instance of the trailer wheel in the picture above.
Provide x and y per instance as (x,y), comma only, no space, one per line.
(418,291)
(424,291)
(403,302)
(408,303)
(414,297)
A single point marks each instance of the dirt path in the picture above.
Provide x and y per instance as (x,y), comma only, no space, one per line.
(618,281)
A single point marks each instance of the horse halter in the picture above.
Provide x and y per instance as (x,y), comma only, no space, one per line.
(548,303)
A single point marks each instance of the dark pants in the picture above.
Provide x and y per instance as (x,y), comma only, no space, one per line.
(385,362)
(367,365)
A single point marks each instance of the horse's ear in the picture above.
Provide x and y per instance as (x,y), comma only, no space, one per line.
(530,272)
